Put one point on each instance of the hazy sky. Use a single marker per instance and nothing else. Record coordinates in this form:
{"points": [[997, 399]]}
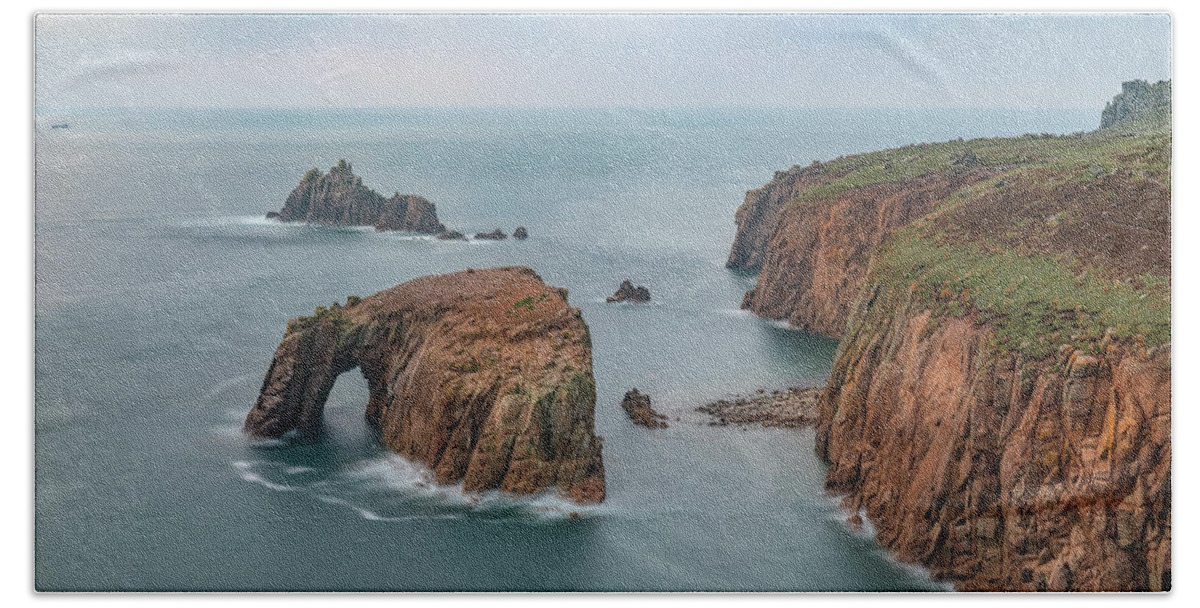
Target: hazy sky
{"points": [[1048, 60]]}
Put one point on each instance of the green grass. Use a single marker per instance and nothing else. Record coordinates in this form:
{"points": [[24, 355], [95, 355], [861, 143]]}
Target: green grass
{"points": [[1033, 298], [527, 303], [1140, 147], [1034, 304]]}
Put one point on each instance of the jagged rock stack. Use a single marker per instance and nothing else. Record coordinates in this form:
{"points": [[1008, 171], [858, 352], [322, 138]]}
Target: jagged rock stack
{"points": [[339, 198]]}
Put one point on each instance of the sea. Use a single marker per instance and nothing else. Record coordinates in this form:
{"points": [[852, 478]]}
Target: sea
{"points": [[162, 292]]}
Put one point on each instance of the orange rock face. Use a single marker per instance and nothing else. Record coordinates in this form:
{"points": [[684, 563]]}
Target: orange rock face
{"points": [[1001, 474], [757, 218], [996, 470], [814, 255], [484, 376]]}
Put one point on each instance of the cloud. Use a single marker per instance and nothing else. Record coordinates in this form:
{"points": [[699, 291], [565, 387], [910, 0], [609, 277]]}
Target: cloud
{"points": [[579, 60]]}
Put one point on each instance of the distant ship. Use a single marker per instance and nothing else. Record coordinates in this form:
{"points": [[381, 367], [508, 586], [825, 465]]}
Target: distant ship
{"points": [[61, 126]]}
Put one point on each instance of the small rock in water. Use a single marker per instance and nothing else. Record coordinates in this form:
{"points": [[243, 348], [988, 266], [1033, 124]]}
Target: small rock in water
{"points": [[637, 405], [855, 522], [495, 235], [627, 292], [520, 233]]}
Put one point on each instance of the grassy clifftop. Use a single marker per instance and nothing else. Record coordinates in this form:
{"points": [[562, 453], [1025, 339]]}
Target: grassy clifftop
{"points": [[1067, 238]]}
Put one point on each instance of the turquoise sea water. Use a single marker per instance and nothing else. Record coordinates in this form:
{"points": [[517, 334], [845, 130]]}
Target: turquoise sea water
{"points": [[162, 293]]}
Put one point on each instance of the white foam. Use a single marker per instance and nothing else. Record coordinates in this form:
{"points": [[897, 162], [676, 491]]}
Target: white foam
{"points": [[370, 515], [604, 300], [244, 471], [220, 388], [256, 220], [405, 236], [867, 531], [742, 313], [391, 483]]}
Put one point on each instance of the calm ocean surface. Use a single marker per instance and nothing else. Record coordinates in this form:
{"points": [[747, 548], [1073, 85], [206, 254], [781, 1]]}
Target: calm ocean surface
{"points": [[162, 294]]}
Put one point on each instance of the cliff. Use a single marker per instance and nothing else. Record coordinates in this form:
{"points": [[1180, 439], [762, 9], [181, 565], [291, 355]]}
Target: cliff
{"points": [[1138, 100], [339, 198], [999, 405], [757, 217], [819, 249], [997, 471], [484, 376]]}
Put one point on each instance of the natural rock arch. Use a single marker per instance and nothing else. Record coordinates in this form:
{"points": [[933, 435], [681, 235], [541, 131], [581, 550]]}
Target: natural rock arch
{"points": [[484, 376]]}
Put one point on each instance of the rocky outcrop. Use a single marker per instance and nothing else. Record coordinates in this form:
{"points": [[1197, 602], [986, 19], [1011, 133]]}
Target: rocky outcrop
{"points": [[637, 405], [757, 217], [451, 235], [817, 255], [339, 198], [793, 408], [495, 235], [484, 376], [520, 233], [1137, 100], [996, 472], [627, 292]]}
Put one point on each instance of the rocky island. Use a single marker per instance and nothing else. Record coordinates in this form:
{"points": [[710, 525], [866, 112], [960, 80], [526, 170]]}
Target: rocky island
{"points": [[484, 376], [339, 198], [1000, 405]]}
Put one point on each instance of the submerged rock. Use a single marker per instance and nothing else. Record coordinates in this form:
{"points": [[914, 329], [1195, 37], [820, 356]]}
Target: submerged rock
{"points": [[627, 292], [484, 376], [520, 233], [339, 198], [451, 235], [495, 235], [637, 405]]}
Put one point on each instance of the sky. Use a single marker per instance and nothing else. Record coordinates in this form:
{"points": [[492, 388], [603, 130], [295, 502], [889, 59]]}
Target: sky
{"points": [[1064, 60]]}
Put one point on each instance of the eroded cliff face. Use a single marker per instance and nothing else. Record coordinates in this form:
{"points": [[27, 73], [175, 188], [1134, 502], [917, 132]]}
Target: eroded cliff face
{"points": [[484, 376], [339, 198], [1000, 403], [816, 257], [999, 473], [757, 217]]}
